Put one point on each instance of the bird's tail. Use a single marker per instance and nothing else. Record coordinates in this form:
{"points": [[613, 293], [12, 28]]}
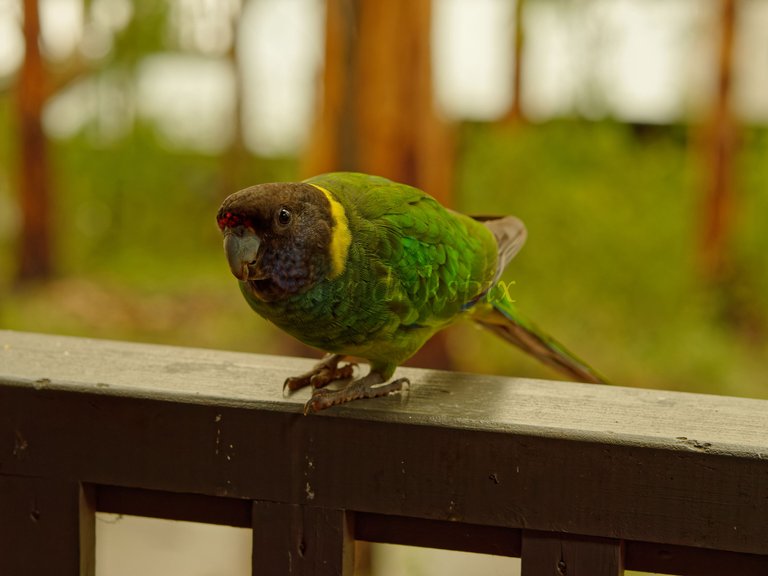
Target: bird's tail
{"points": [[501, 317]]}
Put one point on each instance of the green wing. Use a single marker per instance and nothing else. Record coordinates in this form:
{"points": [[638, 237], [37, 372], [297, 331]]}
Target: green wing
{"points": [[431, 261]]}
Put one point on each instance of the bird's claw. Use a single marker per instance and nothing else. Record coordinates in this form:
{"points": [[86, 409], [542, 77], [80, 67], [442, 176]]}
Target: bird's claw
{"points": [[323, 398], [322, 374]]}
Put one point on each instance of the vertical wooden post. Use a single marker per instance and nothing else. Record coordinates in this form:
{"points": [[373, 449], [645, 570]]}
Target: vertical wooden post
{"points": [[549, 554], [46, 527], [292, 539]]}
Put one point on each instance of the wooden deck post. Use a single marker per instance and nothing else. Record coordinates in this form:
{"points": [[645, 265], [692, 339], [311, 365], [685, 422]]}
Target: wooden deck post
{"points": [[46, 527], [294, 539], [550, 554]]}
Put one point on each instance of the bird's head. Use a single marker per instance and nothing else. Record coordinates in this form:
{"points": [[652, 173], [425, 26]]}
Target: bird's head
{"points": [[280, 238]]}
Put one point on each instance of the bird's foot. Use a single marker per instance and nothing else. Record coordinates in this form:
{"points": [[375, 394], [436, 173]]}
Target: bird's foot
{"points": [[370, 386], [322, 374]]}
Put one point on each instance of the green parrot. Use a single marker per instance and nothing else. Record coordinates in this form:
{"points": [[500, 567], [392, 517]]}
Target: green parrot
{"points": [[358, 265]]}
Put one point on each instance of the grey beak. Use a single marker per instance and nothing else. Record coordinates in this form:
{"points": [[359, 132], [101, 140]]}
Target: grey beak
{"points": [[241, 248]]}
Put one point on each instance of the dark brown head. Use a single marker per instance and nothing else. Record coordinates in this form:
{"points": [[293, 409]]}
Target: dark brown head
{"points": [[280, 237]]}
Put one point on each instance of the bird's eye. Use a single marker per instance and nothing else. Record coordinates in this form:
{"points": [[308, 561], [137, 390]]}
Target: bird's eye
{"points": [[284, 216]]}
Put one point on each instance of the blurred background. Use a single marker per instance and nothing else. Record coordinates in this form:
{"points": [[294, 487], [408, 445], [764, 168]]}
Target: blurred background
{"points": [[629, 135]]}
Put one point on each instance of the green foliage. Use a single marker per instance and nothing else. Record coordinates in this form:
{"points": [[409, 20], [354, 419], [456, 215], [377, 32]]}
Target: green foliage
{"points": [[133, 197], [8, 162], [147, 32], [609, 266], [137, 246]]}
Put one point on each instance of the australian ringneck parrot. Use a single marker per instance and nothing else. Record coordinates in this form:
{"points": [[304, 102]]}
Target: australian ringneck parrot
{"points": [[358, 265]]}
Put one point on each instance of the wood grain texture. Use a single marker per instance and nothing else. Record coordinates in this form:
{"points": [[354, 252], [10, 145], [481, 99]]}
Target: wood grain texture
{"points": [[186, 507], [668, 559], [442, 534], [565, 555], [46, 527], [640, 465], [301, 540]]}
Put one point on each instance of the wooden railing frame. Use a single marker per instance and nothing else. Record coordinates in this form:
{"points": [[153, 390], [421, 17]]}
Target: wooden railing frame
{"points": [[572, 478]]}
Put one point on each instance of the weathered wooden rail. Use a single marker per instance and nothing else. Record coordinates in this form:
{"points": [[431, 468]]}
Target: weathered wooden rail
{"points": [[574, 479]]}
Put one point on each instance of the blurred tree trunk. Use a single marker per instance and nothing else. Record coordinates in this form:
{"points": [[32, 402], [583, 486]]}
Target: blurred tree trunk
{"points": [[377, 111], [719, 150], [515, 113], [331, 147], [34, 248], [235, 158]]}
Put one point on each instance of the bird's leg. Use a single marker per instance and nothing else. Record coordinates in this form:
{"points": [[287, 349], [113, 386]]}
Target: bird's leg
{"points": [[322, 374], [371, 385]]}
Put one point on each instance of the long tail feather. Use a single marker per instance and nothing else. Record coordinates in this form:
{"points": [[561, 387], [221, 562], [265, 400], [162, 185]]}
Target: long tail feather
{"points": [[501, 317]]}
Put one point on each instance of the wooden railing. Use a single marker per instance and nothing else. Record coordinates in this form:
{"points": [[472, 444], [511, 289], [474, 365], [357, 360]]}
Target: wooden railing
{"points": [[574, 479]]}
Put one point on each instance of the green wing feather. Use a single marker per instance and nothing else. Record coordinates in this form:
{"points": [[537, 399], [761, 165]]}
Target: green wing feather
{"points": [[434, 260]]}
